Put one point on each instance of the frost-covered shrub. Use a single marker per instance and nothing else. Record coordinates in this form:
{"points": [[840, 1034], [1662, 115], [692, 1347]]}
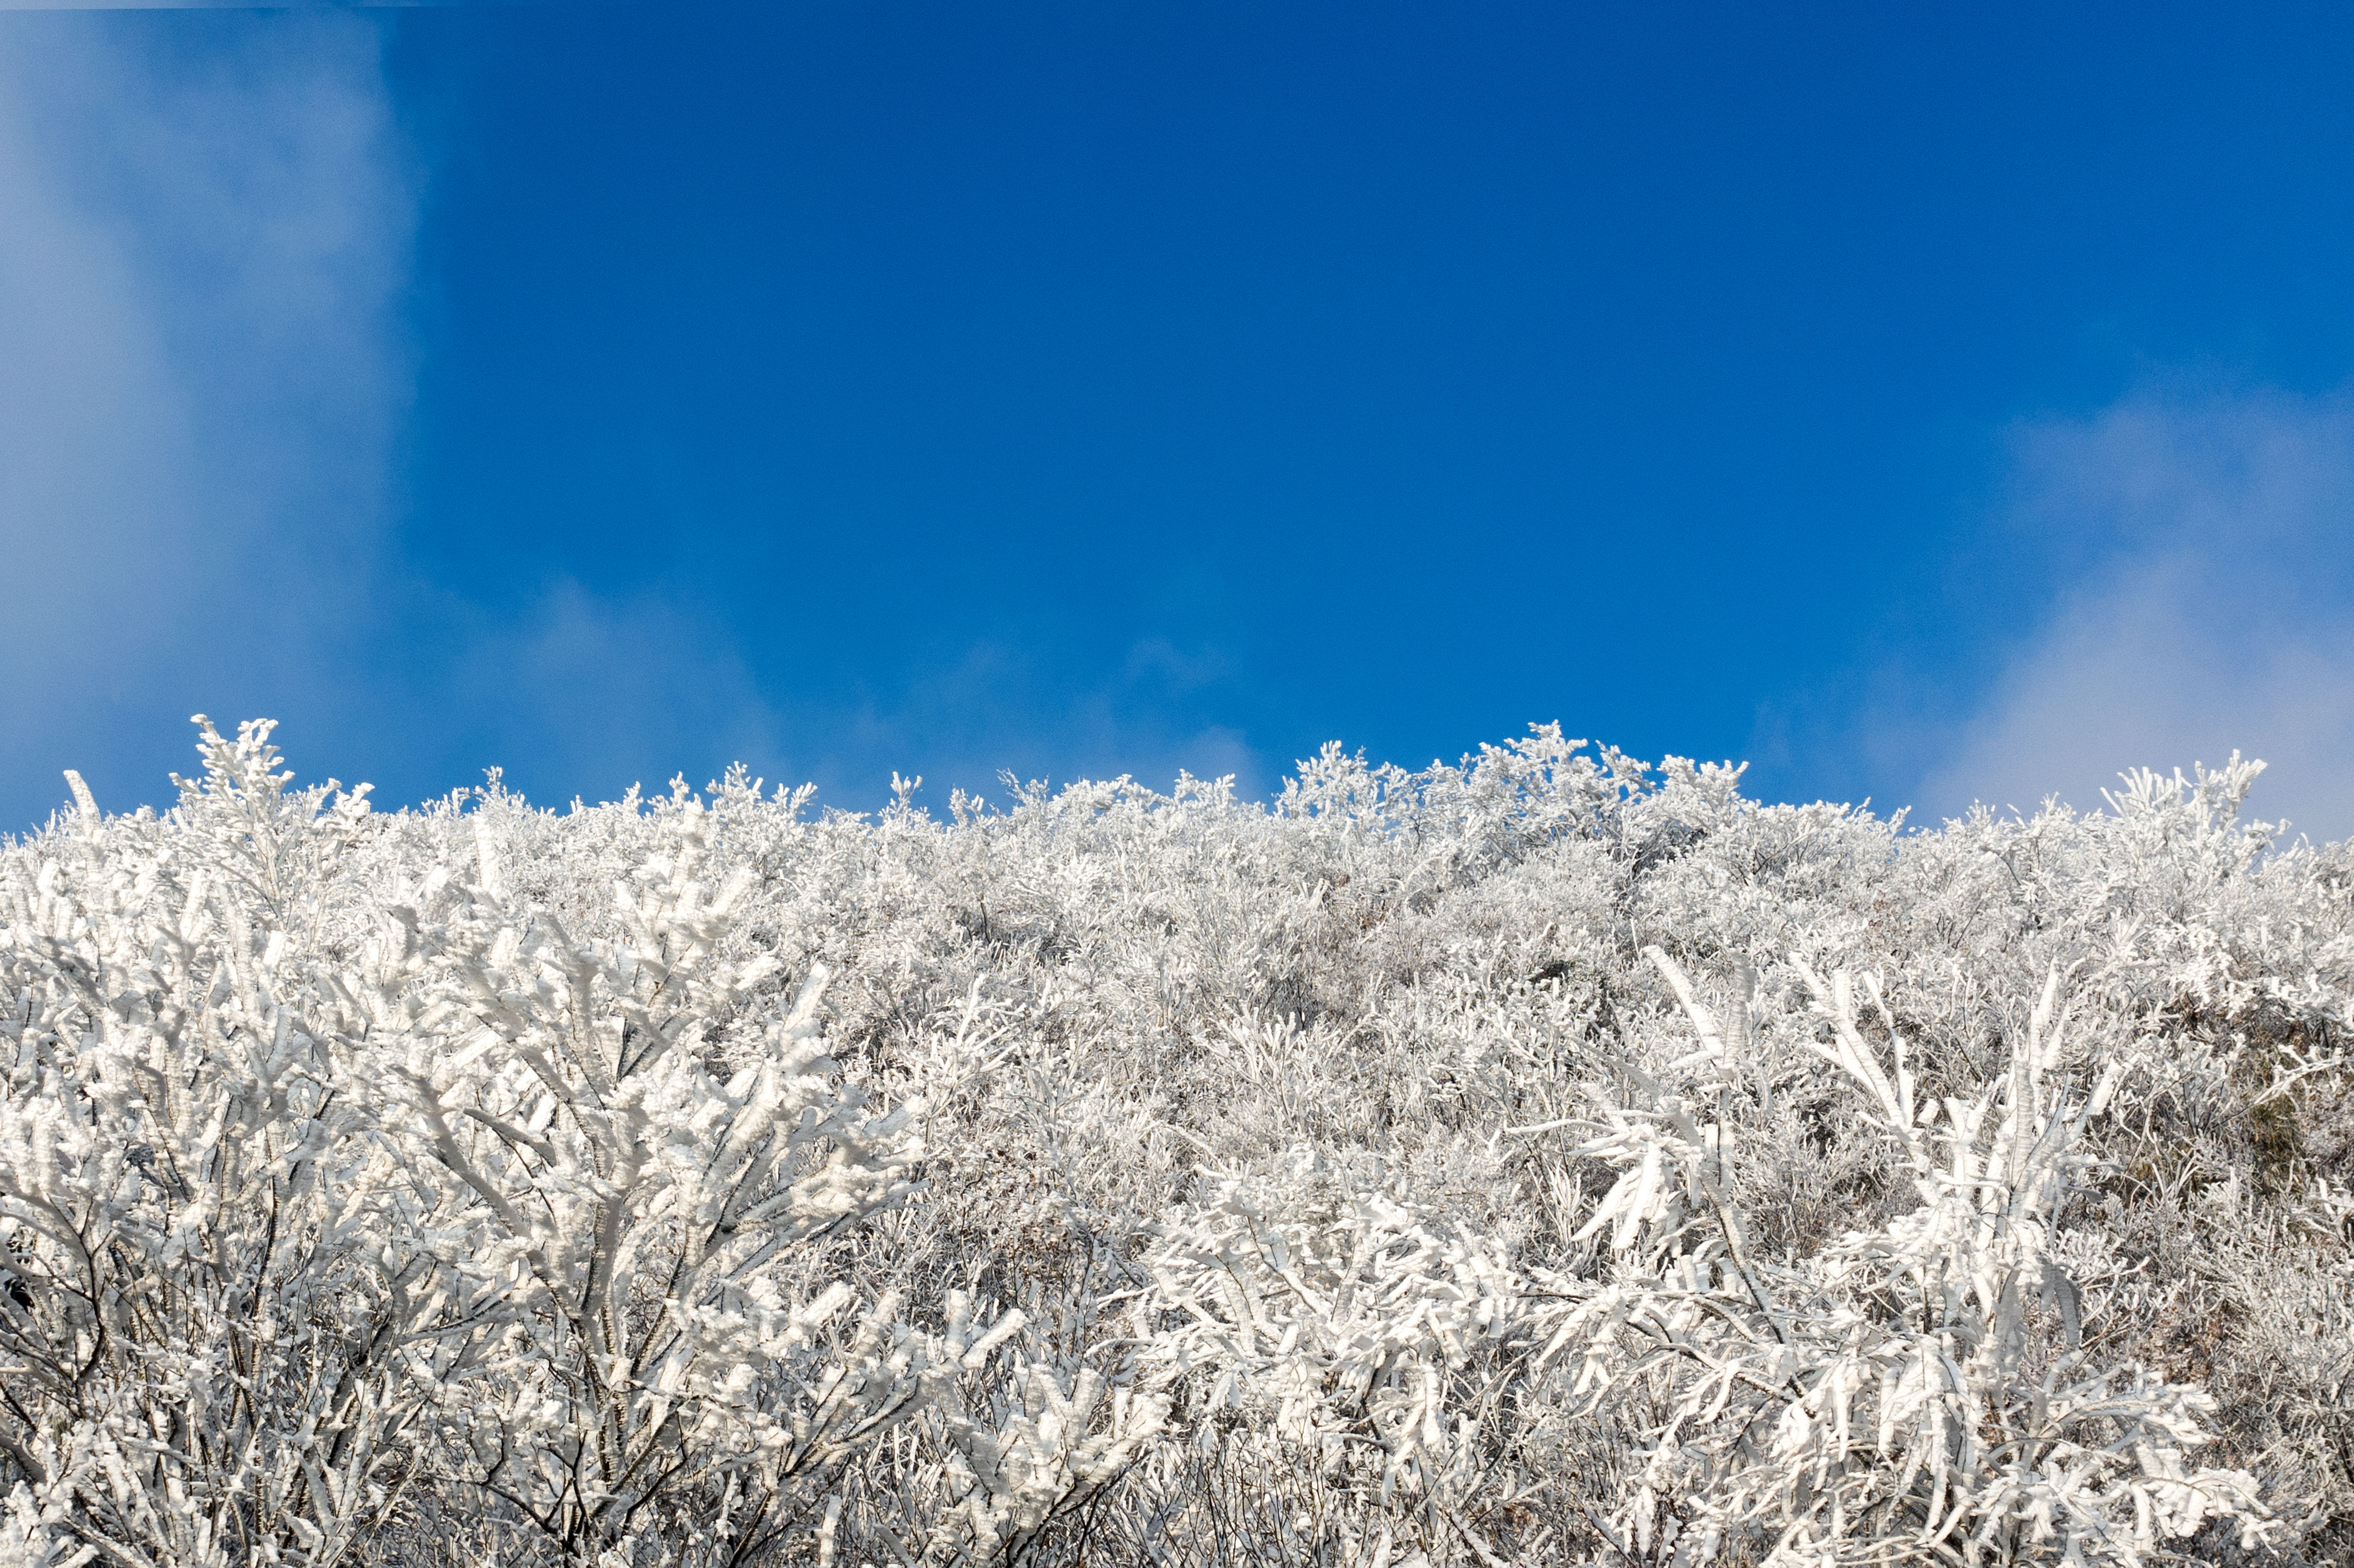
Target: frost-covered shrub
{"points": [[1546, 1159]]}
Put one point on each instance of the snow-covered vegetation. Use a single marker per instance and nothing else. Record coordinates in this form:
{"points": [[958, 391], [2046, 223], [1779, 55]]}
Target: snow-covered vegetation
{"points": [[1546, 1159]]}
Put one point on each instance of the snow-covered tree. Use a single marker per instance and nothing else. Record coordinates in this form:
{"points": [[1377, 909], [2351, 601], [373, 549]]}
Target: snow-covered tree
{"points": [[1544, 1159]]}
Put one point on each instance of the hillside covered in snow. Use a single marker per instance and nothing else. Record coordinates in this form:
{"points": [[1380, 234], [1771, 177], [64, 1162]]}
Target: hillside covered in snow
{"points": [[1545, 1159]]}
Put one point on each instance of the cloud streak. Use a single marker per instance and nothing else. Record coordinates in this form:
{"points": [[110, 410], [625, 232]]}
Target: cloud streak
{"points": [[205, 369], [2212, 609], [201, 375]]}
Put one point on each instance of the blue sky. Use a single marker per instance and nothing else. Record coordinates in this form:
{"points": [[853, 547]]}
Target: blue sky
{"points": [[1928, 408]]}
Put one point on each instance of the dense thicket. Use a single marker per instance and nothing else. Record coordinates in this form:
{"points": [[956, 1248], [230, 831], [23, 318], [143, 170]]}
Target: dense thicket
{"points": [[1544, 1160]]}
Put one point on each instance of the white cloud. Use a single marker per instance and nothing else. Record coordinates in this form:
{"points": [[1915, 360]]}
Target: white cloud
{"points": [[2211, 549], [591, 693], [210, 224], [999, 708], [201, 371]]}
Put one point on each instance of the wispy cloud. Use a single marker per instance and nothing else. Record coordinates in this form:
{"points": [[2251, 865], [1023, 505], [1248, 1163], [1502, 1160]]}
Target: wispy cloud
{"points": [[590, 693], [201, 372], [204, 371], [2208, 544], [579, 692], [999, 708]]}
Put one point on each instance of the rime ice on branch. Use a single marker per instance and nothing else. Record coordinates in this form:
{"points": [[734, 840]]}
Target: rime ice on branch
{"points": [[1547, 1158]]}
